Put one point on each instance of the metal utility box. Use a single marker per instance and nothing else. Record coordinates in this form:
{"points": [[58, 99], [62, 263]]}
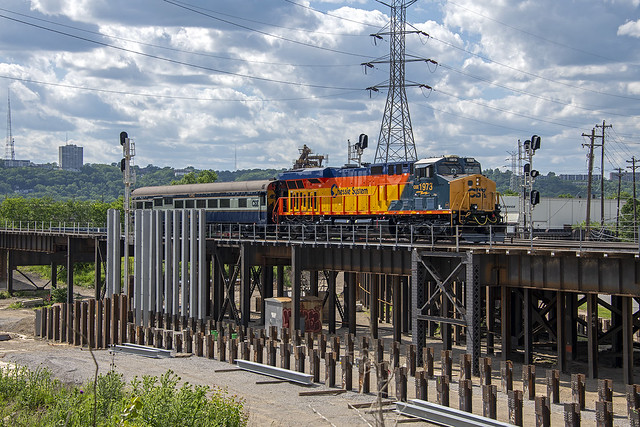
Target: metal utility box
{"points": [[277, 312], [273, 308]]}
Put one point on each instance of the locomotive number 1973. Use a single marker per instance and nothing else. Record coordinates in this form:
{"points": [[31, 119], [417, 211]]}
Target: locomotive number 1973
{"points": [[426, 186]]}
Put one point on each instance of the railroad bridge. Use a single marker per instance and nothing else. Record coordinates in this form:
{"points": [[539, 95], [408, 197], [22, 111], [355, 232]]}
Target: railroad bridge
{"points": [[519, 297]]}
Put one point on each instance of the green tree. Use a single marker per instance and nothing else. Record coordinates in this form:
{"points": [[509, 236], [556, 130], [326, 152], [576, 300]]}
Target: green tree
{"points": [[201, 177]]}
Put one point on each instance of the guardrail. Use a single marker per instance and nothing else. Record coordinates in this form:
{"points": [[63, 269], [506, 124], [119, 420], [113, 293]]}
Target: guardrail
{"points": [[51, 227]]}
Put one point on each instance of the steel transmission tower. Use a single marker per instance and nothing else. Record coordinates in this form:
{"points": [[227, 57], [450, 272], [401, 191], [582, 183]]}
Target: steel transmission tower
{"points": [[9, 151], [396, 135]]}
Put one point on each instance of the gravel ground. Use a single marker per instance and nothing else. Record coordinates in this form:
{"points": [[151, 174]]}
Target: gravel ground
{"points": [[280, 403]]}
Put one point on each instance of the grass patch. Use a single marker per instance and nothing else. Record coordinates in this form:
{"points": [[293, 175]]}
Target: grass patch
{"points": [[603, 313], [35, 397], [15, 305]]}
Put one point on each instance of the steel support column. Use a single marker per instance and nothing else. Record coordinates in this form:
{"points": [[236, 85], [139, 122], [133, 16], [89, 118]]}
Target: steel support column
{"points": [[3, 265], [218, 289], [54, 275], [331, 300], [616, 322], [245, 286], [346, 294], [374, 286], [527, 311], [280, 281], [176, 256], [267, 286], [473, 311], [313, 283], [445, 327], [592, 335], [10, 268], [505, 322], [571, 319], [168, 264], [203, 267], [406, 306], [627, 339], [419, 298], [490, 310], [97, 270], [295, 321], [351, 310], [137, 267], [561, 336], [397, 308], [70, 264], [193, 265]]}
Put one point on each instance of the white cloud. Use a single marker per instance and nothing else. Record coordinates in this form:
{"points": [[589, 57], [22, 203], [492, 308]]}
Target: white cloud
{"points": [[630, 28], [505, 73]]}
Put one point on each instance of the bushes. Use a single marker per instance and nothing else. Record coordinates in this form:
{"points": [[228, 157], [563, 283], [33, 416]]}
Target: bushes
{"points": [[36, 398]]}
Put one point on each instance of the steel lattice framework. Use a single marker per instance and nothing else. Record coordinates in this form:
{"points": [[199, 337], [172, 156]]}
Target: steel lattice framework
{"points": [[395, 142]]}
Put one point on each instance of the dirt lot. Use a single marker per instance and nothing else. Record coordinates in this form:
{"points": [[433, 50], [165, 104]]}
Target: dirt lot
{"points": [[275, 404]]}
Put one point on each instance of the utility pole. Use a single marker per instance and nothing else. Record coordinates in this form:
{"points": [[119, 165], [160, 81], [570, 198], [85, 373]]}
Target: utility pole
{"points": [[633, 170], [619, 174], [513, 182], [591, 145], [604, 127]]}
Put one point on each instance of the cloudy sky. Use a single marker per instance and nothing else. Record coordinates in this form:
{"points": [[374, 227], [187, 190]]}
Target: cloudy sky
{"points": [[201, 83]]}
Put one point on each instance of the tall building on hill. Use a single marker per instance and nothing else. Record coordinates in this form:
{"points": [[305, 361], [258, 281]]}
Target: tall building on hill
{"points": [[70, 157]]}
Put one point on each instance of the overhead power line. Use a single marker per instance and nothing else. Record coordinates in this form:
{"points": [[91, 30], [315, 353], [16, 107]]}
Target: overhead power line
{"points": [[174, 61], [235, 24], [529, 33], [173, 49], [177, 97]]}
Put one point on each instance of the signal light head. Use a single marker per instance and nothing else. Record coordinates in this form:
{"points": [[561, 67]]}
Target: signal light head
{"points": [[123, 138]]}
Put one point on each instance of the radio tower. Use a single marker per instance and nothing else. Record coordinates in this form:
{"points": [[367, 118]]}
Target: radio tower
{"points": [[396, 135], [9, 153]]}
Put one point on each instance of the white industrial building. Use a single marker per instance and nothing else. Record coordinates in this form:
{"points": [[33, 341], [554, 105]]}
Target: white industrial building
{"points": [[556, 213]]}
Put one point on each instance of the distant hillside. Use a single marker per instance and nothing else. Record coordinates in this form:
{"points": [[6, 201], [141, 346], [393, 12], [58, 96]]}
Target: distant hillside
{"points": [[97, 181], [552, 186]]}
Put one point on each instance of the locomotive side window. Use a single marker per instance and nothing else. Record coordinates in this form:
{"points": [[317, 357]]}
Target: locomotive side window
{"points": [[139, 205], [377, 170], [225, 203], [424, 172], [189, 204], [212, 203], [148, 205], [179, 204], [200, 204], [263, 200], [291, 185], [242, 203], [168, 201], [299, 183]]}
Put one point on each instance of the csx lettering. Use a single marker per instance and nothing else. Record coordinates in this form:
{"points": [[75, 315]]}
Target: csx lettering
{"points": [[476, 192]]}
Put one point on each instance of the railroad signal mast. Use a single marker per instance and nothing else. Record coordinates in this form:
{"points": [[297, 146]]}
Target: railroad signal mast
{"points": [[129, 179], [530, 197], [354, 152]]}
